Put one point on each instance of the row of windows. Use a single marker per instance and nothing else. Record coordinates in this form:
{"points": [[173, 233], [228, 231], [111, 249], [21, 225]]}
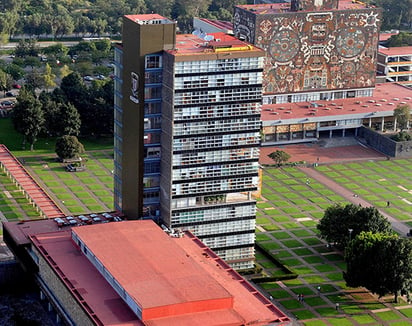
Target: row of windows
{"points": [[218, 213], [215, 171], [217, 141], [243, 78], [232, 185], [212, 96], [152, 107], [316, 96], [151, 138], [216, 111], [233, 64], [230, 240], [236, 253], [218, 228], [216, 156], [216, 126], [201, 201]]}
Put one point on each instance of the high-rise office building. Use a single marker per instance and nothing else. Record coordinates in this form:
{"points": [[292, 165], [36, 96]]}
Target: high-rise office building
{"points": [[188, 133]]}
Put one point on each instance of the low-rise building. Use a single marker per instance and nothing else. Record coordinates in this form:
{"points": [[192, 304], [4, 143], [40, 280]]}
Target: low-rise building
{"points": [[134, 273]]}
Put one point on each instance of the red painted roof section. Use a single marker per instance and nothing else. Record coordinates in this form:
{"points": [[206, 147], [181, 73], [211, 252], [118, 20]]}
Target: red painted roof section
{"points": [[284, 7], [178, 278], [189, 44], [94, 294], [37, 194], [144, 17], [386, 36], [385, 99], [399, 50]]}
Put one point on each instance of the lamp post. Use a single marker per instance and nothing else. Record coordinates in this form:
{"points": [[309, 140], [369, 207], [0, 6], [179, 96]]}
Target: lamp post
{"points": [[350, 234]]}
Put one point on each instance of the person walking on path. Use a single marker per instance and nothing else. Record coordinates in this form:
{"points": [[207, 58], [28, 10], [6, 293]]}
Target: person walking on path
{"points": [[318, 288]]}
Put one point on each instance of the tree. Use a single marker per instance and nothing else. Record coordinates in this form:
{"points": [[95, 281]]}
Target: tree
{"points": [[279, 157], [380, 262], [69, 119], [27, 116], [338, 220], [402, 114], [68, 147], [402, 136], [49, 77], [5, 81]]}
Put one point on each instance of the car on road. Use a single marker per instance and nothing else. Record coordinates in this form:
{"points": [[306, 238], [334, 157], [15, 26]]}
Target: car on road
{"points": [[10, 94], [88, 78]]}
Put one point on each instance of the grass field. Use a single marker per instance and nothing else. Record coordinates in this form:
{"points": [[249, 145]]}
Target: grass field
{"points": [[288, 212]]}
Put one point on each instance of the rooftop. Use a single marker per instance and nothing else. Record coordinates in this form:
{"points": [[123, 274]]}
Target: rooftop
{"points": [[275, 8], [178, 280], [189, 44], [146, 18], [385, 99], [399, 50]]}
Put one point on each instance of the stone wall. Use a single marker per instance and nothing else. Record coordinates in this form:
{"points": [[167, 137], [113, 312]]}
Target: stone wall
{"points": [[385, 145], [63, 295]]}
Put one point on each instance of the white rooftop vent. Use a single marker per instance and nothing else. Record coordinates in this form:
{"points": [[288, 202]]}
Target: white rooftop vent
{"points": [[209, 38]]}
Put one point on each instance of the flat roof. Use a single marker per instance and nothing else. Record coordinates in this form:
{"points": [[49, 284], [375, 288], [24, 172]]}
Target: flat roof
{"points": [[189, 44], [145, 17], [385, 98], [81, 278], [177, 274], [386, 36], [224, 25], [22, 230], [399, 50], [157, 269], [284, 7]]}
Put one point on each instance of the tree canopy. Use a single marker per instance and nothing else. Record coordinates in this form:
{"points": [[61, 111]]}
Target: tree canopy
{"points": [[27, 116], [279, 157], [402, 114], [381, 262], [338, 220], [68, 147]]}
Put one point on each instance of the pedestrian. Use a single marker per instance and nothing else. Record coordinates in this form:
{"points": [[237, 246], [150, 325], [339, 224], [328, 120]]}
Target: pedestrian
{"points": [[337, 306], [318, 290], [302, 298], [388, 203], [271, 298], [307, 181], [299, 298]]}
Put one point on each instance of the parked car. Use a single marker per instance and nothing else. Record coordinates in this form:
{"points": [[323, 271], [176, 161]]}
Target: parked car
{"points": [[17, 86], [75, 168], [10, 94], [100, 77], [7, 103], [88, 78]]}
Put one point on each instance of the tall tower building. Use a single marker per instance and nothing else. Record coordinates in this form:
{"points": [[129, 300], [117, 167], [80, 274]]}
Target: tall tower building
{"points": [[188, 133], [316, 49]]}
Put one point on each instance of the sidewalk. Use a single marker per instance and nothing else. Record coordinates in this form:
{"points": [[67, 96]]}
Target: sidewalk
{"points": [[398, 226]]}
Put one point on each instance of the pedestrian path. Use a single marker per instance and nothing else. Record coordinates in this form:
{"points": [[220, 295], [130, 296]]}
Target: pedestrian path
{"points": [[34, 193], [352, 197]]}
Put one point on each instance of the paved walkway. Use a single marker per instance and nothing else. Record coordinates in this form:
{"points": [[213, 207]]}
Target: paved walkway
{"points": [[34, 193], [398, 226]]}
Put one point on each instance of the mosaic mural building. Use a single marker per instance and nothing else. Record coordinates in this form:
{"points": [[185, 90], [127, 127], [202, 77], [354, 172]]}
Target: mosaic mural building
{"points": [[316, 49]]}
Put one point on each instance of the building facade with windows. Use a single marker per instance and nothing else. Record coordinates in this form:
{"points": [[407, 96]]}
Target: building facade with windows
{"points": [[395, 64], [188, 133], [316, 50]]}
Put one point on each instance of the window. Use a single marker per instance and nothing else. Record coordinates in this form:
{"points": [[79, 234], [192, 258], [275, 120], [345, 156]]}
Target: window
{"points": [[153, 61]]}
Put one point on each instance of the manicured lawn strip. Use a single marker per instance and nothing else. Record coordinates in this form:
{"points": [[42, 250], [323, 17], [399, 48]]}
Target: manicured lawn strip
{"points": [[387, 315], [363, 319]]}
